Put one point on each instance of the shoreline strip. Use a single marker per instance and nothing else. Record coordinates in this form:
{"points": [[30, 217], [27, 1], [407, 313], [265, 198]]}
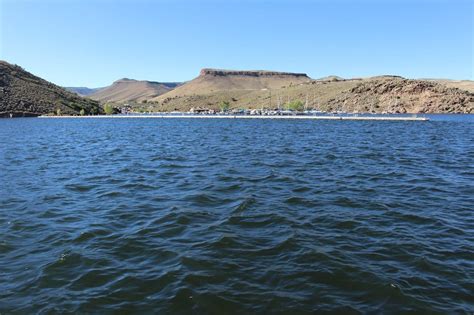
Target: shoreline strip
{"points": [[388, 118]]}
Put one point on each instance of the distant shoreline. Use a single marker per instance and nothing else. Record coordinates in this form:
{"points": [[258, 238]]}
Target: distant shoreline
{"points": [[301, 117]]}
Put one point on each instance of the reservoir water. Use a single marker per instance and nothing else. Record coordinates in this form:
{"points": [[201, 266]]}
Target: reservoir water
{"points": [[236, 216]]}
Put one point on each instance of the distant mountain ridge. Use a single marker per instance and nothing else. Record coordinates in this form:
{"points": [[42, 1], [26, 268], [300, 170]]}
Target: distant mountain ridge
{"points": [[82, 91], [331, 78], [128, 90], [24, 94]]}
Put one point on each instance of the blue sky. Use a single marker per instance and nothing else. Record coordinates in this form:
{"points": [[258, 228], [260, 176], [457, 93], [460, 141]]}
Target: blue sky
{"points": [[92, 43]]}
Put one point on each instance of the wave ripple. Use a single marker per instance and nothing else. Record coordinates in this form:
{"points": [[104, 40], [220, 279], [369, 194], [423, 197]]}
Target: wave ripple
{"points": [[209, 216]]}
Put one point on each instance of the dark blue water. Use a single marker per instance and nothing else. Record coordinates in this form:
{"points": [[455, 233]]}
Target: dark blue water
{"points": [[236, 216]]}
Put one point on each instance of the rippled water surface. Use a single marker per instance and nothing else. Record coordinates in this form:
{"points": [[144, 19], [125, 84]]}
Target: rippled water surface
{"points": [[236, 216]]}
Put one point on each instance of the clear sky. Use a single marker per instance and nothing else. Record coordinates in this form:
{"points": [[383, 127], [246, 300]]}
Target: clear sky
{"points": [[94, 42]]}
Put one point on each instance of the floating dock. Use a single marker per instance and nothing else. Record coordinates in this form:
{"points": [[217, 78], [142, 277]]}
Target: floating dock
{"points": [[304, 117]]}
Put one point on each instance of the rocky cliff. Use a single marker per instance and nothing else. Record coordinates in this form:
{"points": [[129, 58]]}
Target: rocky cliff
{"points": [[250, 73], [24, 94]]}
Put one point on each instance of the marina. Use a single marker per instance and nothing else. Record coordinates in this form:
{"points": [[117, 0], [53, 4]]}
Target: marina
{"points": [[304, 117]]}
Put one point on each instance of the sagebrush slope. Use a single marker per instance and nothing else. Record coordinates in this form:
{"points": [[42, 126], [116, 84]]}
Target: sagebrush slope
{"points": [[24, 94]]}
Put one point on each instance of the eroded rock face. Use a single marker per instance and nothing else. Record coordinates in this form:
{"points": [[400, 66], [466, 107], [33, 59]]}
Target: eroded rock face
{"points": [[23, 94], [252, 73]]}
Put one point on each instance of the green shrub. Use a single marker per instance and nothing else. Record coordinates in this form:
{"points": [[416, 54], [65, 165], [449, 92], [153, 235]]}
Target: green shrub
{"points": [[82, 112], [296, 105], [224, 106], [108, 109]]}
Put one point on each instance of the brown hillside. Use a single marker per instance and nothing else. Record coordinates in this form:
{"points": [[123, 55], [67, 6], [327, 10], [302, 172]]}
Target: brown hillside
{"points": [[24, 94], [399, 95], [127, 90], [215, 80], [389, 94]]}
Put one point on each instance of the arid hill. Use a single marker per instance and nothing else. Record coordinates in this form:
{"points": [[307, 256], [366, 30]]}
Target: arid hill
{"points": [[399, 95], [128, 90], [391, 94], [24, 94], [215, 80]]}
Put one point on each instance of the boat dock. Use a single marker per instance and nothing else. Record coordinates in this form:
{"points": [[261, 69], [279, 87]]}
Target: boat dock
{"points": [[303, 117]]}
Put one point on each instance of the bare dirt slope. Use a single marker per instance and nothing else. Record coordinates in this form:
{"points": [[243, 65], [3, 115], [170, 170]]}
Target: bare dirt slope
{"points": [[127, 90], [24, 94]]}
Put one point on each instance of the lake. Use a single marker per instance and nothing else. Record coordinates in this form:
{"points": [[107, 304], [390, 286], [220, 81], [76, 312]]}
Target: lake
{"points": [[236, 216]]}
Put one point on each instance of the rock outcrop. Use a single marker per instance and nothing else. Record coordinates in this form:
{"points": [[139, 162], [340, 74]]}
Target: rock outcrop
{"points": [[399, 95]]}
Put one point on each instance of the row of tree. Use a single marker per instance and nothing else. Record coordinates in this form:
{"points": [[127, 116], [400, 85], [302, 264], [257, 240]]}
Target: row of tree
{"points": [[108, 109], [224, 106]]}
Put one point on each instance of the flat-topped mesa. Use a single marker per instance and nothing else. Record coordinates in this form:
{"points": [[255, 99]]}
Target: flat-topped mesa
{"points": [[226, 82], [251, 73]]}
